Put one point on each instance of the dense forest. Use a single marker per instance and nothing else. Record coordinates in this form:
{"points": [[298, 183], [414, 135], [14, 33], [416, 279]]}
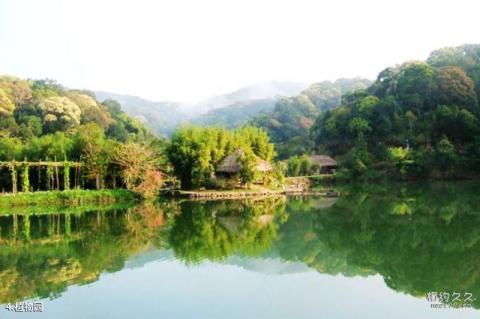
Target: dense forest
{"points": [[418, 119], [288, 124]]}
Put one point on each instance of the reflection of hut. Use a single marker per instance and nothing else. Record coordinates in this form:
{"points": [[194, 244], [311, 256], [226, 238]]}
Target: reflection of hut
{"points": [[264, 219], [231, 223], [323, 164], [325, 202], [231, 165]]}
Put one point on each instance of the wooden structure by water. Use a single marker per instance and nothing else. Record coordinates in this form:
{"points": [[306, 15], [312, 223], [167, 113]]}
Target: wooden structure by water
{"points": [[326, 193], [48, 172], [228, 194], [213, 195], [297, 184]]}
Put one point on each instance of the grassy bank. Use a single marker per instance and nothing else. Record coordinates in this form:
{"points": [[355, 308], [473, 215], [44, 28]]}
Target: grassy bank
{"points": [[67, 198]]}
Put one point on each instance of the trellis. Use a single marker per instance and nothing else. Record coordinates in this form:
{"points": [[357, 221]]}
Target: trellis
{"points": [[52, 172]]}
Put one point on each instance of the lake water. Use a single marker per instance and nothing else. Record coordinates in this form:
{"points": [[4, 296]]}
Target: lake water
{"points": [[372, 253]]}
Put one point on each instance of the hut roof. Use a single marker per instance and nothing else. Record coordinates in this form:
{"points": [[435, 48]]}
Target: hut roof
{"points": [[232, 163], [322, 160]]}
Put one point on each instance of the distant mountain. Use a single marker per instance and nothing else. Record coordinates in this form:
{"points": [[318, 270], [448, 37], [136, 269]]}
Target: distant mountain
{"points": [[162, 117], [229, 110], [268, 264], [236, 114], [261, 91]]}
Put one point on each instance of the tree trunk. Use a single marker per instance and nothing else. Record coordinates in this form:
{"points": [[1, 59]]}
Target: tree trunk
{"points": [[57, 177], [14, 179]]}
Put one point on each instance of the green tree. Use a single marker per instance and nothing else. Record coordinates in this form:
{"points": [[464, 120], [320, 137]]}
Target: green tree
{"points": [[11, 148], [456, 88], [446, 156], [359, 127], [415, 86], [294, 166], [402, 159], [96, 151], [248, 173], [305, 165]]}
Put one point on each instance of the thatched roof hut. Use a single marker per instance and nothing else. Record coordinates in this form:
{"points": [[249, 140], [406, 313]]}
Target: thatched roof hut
{"points": [[323, 164], [232, 163], [322, 160]]}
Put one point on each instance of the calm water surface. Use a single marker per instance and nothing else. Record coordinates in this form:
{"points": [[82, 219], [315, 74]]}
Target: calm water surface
{"points": [[372, 253]]}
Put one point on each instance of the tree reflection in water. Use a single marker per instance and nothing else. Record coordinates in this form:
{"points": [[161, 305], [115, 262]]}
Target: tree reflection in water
{"points": [[420, 238]]}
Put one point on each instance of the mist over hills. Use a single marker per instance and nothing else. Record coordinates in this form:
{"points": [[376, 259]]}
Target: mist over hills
{"points": [[279, 107], [236, 114], [260, 91], [162, 117]]}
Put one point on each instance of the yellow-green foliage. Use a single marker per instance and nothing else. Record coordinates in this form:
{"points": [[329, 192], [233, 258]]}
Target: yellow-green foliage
{"points": [[60, 111], [6, 105]]}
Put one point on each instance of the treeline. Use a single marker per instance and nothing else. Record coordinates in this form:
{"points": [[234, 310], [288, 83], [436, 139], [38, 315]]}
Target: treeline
{"points": [[41, 120], [418, 119]]}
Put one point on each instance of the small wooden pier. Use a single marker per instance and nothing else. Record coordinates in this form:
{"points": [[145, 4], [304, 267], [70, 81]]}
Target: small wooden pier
{"points": [[228, 194], [215, 195]]}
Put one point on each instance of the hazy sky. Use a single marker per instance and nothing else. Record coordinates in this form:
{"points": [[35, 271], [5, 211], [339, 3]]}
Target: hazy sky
{"points": [[189, 50]]}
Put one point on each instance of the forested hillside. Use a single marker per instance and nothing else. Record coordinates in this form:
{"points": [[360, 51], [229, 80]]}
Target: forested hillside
{"points": [[160, 117], [417, 119], [42, 121], [236, 114], [288, 124], [227, 110]]}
